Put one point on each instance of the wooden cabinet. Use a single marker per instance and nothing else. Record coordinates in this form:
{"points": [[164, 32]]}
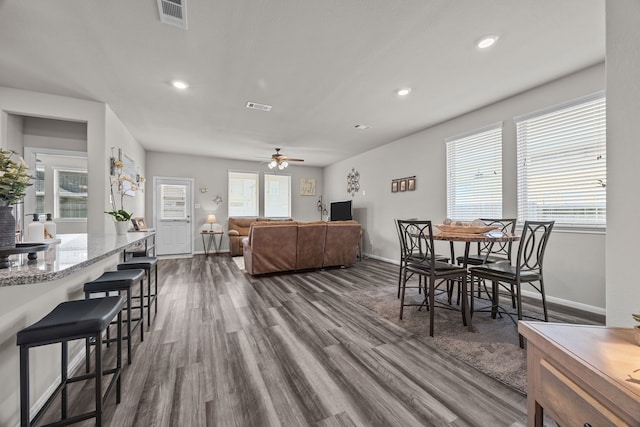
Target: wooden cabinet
{"points": [[582, 375]]}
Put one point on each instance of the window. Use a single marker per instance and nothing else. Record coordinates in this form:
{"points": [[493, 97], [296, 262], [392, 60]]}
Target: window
{"points": [[474, 175], [277, 196], [243, 193], [173, 202], [562, 172], [39, 185], [70, 188]]}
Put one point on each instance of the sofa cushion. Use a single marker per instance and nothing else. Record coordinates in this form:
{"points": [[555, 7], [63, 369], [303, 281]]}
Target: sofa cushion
{"points": [[310, 250]]}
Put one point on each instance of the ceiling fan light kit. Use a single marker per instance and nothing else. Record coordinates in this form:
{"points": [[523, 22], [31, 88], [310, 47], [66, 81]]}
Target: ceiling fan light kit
{"points": [[281, 161]]}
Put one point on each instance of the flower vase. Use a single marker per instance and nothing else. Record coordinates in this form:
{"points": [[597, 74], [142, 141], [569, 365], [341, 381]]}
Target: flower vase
{"points": [[7, 228], [121, 227]]}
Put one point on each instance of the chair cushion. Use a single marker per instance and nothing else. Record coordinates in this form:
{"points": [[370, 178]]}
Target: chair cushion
{"points": [[72, 319], [480, 259], [504, 271], [114, 280], [138, 262]]}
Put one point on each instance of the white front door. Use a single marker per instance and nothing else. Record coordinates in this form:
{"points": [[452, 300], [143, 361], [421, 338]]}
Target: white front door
{"points": [[172, 215]]}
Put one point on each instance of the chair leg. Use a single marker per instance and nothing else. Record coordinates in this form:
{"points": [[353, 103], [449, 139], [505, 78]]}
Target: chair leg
{"points": [[432, 301], [64, 368], [98, 386], [544, 300], [404, 286], [24, 386], [519, 304], [513, 297], [400, 277]]}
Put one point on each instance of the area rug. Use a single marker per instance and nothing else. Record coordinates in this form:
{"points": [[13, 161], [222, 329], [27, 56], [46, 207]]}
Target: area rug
{"points": [[239, 261], [492, 347]]}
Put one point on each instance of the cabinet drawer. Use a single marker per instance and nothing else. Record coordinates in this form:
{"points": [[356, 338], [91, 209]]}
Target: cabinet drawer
{"points": [[569, 404]]}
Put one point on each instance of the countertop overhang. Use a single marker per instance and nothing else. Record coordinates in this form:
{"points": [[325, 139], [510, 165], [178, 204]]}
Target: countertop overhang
{"points": [[73, 253]]}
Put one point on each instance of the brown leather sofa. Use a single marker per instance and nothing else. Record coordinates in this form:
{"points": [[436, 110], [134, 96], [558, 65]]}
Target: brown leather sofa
{"points": [[239, 229], [275, 247]]}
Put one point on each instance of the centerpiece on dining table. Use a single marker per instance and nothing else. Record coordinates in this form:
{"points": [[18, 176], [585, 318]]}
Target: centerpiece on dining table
{"points": [[477, 226]]}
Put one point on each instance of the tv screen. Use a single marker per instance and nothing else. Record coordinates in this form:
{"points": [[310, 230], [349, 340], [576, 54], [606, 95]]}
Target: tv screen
{"points": [[341, 211]]}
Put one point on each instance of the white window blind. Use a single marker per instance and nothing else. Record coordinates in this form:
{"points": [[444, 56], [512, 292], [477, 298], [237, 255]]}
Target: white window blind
{"points": [[474, 175], [562, 164], [277, 196], [243, 193], [173, 201]]}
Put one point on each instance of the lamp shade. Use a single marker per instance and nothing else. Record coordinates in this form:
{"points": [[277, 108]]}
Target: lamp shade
{"points": [[211, 219]]}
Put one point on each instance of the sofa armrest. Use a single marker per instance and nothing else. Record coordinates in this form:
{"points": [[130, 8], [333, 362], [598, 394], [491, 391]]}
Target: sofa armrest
{"points": [[233, 233]]}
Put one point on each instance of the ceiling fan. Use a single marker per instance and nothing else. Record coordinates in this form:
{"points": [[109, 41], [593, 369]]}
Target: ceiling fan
{"points": [[281, 161]]}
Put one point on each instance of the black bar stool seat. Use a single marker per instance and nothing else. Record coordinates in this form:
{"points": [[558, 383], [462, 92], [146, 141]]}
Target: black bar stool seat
{"points": [[119, 281], [146, 263], [71, 320]]}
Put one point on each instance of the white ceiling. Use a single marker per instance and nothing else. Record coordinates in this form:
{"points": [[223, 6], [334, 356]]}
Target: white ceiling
{"points": [[325, 66]]}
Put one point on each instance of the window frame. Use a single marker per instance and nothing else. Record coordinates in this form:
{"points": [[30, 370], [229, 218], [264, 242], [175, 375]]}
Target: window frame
{"points": [[595, 130], [232, 199], [56, 193], [457, 175], [267, 197]]}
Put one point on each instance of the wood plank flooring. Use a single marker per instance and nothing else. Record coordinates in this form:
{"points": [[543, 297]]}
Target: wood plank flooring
{"points": [[228, 349]]}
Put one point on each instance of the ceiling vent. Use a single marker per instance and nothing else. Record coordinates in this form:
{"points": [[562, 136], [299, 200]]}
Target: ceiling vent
{"points": [[256, 106], [173, 12]]}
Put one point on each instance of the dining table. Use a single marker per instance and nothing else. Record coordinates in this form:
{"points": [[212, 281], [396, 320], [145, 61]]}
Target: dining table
{"points": [[469, 235]]}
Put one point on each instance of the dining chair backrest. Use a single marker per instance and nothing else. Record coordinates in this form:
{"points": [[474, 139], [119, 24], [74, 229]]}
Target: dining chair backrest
{"points": [[533, 243], [503, 249], [416, 240]]}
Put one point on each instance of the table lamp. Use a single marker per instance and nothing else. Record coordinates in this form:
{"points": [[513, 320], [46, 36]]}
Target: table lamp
{"points": [[211, 219]]}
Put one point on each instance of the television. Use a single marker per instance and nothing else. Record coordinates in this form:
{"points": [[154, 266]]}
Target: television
{"points": [[341, 211]]}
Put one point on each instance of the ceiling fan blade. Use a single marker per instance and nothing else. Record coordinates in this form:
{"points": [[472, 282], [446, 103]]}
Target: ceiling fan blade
{"points": [[289, 159]]}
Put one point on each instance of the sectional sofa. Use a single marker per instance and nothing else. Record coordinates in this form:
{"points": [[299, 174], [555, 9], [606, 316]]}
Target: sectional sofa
{"points": [[291, 246]]}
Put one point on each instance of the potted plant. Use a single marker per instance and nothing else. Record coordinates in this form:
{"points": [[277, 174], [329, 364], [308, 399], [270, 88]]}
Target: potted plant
{"points": [[120, 216], [14, 179]]}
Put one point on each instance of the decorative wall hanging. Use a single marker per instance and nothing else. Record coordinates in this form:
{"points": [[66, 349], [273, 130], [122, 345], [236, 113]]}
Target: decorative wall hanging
{"points": [[307, 187], [217, 200], [353, 182], [403, 184]]}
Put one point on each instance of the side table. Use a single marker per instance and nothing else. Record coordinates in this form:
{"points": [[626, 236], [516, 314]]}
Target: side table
{"points": [[212, 240]]}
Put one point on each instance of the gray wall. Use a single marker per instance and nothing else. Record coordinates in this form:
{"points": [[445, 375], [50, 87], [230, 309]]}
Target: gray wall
{"points": [[212, 173], [623, 156], [575, 261]]}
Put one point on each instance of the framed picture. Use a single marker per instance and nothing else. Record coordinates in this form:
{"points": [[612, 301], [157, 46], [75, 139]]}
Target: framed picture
{"points": [[307, 187], [394, 186], [139, 223], [411, 184], [403, 185]]}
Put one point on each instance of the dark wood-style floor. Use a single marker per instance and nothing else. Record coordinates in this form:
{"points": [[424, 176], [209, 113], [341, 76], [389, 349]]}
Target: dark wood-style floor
{"points": [[228, 349]]}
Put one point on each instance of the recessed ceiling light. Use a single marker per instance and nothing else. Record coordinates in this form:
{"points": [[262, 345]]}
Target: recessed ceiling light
{"points": [[404, 91], [179, 84], [487, 41], [362, 127]]}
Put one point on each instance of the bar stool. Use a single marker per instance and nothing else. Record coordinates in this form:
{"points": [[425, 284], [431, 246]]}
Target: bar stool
{"points": [[118, 281], [72, 320], [147, 264]]}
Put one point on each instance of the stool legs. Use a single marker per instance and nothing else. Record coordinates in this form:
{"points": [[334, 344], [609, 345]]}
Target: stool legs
{"points": [[24, 386]]}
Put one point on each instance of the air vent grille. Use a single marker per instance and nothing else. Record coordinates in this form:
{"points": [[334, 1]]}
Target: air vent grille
{"points": [[173, 12], [256, 106]]}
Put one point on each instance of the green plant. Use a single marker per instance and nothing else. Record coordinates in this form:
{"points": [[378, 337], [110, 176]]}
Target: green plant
{"points": [[14, 178], [636, 317], [120, 215]]}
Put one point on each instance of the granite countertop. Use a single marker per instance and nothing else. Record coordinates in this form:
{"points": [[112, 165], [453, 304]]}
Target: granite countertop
{"points": [[74, 252]]}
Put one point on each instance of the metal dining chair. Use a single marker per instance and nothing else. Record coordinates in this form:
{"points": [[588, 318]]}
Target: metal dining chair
{"points": [[492, 252], [417, 239], [411, 250], [528, 269]]}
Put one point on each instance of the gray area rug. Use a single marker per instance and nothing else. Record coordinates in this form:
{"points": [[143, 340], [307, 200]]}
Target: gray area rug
{"points": [[492, 347]]}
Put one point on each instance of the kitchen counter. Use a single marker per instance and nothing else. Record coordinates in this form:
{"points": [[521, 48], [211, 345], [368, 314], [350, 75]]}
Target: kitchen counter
{"points": [[74, 252]]}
